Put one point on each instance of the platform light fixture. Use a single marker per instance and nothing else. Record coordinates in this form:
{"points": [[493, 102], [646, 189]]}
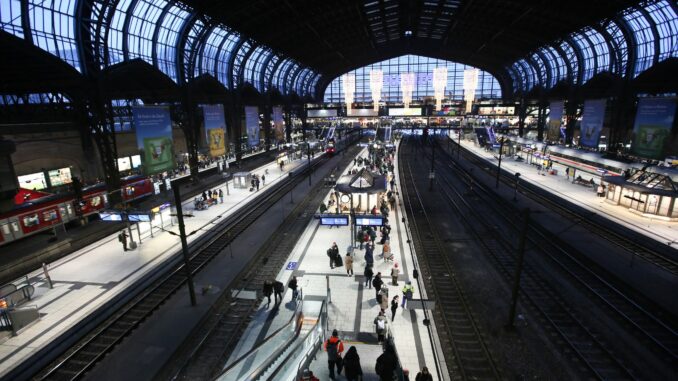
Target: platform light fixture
{"points": [[349, 91], [407, 86], [376, 84], [439, 83]]}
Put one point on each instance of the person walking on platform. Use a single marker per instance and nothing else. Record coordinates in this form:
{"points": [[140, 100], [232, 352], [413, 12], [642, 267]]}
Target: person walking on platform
{"points": [[368, 276], [386, 364], [221, 196], [352, 369], [334, 347], [348, 262], [394, 307], [567, 173], [293, 286], [263, 180], [268, 290], [256, 182], [383, 302], [424, 375], [394, 274], [408, 290], [380, 326], [333, 252], [122, 237], [278, 287], [369, 255], [377, 283], [392, 183]]}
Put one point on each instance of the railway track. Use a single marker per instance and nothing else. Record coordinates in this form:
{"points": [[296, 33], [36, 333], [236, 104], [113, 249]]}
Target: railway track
{"points": [[219, 336], [589, 347], [467, 353], [631, 242], [102, 339]]}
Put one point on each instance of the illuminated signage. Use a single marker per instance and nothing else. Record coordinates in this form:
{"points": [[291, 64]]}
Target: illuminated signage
{"points": [[334, 219]]}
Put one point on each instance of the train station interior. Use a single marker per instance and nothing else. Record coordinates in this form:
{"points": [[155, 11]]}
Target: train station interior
{"points": [[338, 190]]}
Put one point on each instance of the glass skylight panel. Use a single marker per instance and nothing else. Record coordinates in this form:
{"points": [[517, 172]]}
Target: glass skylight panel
{"points": [[664, 17], [644, 40], [10, 17]]}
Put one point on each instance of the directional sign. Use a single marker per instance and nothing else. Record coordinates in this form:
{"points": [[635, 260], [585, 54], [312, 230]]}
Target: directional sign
{"points": [[291, 266]]}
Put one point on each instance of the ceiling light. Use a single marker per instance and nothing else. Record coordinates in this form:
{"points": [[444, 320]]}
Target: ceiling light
{"points": [[408, 33]]}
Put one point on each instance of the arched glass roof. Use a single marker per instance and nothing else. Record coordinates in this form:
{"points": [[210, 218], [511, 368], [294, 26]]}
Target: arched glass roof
{"points": [[488, 87]]}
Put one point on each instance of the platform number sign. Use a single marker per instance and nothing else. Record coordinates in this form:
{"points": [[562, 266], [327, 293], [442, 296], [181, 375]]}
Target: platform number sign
{"points": [[291, 266]]}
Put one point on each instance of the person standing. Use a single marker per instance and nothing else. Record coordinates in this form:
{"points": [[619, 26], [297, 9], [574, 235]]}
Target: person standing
{"points": [[386, 364], [268, 290], [334, 347], [408, 290], [380, 326], [122, 237], [263, 180], [369, 254], [221, 196], [394, 307], [376, 283], [384, 298], [352, 369], [256, 182], [348, 262], [424, 375], [293, 286], [278, 287], [368, 276], [394, 274]]}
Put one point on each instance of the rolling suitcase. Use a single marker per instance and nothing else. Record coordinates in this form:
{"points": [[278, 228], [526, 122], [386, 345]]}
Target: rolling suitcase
{"points": [[338, 262]]}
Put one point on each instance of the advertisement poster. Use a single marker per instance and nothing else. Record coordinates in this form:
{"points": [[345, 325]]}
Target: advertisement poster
{"points": [[215, 129], [555, 120], [252, 125], [278, 124], [154, 138], [653, 126], [592, 122]]}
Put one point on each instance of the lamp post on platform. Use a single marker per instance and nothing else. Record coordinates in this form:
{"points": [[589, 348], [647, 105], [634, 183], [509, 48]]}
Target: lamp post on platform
{"points": [[501, 150]]}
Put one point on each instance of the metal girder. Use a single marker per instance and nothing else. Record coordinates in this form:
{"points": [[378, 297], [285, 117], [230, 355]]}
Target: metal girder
{"points": [[243, 63], [655, 34], [182, 65], [231, 60], [630, 44]]}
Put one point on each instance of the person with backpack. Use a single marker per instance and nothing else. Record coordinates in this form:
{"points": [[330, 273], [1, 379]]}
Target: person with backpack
{"points": [[278, 287], [377, 283], [334, 347], [268, 290], [352, 369], [380, 326], [408, 290], [293, 286], [368, 276]]}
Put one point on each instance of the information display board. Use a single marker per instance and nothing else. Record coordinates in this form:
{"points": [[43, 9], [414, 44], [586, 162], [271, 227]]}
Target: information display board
{"points": [[140, 217], [334, 219], [412, 111], [321, 113], [60, 176], [369, 220], [110, 216], [34, 181]]}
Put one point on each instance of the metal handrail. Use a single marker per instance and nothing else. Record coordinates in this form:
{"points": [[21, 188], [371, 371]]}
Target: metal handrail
{"points": [[307, 356], [293, 319]]}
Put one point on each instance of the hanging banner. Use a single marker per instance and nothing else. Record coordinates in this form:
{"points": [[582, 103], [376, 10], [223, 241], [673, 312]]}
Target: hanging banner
{"points": [[153, 127], [652, 128], [592, 122], [278, 125], [215, 129], [555, 121], [252, 125]]}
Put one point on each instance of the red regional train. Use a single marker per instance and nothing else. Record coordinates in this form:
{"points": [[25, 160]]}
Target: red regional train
{"points": [[330, 147], [37, 211]]}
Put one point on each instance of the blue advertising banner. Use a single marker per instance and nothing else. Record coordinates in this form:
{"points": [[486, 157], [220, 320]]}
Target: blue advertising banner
{"points": [[653, 127], [252, 125], [555, 118], [592, 122], [153, 127], [215, 129], [278, 125]]}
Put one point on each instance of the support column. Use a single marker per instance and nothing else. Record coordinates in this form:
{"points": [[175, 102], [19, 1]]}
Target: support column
{"points": [[100, 117], [570, 119], [9, 185], [266, 110], [191, 129], [522, 114], [541, 121]]}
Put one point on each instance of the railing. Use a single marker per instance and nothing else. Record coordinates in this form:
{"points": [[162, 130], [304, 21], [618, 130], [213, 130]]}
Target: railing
{"points": [[267, 351]]}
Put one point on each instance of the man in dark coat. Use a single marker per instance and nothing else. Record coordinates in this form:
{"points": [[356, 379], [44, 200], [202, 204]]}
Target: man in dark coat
{"points": [[268, 290], [386, 364], [377, 282]]}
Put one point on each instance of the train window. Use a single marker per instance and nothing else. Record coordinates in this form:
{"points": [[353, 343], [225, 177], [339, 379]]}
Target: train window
{"points": [[31, 220], [95, 201], [49, 215], [129, 191], [69, 208], [5, 229], [62, 210], [15, 226]]}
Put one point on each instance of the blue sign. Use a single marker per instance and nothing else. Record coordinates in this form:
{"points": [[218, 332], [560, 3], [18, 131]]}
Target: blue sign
{"points": [[652, 130], [291, 266], [592, 122], [252, 125], [153, 127], [369, 220], [334, 219]]}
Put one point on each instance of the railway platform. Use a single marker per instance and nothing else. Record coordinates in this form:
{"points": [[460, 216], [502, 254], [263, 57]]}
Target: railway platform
{"points": [[584, 196], [89, 278], [351, 307]]}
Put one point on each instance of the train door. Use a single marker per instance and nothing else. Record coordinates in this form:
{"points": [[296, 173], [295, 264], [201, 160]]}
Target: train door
{"points": [[9, 229]]}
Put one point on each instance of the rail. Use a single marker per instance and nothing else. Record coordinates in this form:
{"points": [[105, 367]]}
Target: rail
{"points": [[145, 301]]}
